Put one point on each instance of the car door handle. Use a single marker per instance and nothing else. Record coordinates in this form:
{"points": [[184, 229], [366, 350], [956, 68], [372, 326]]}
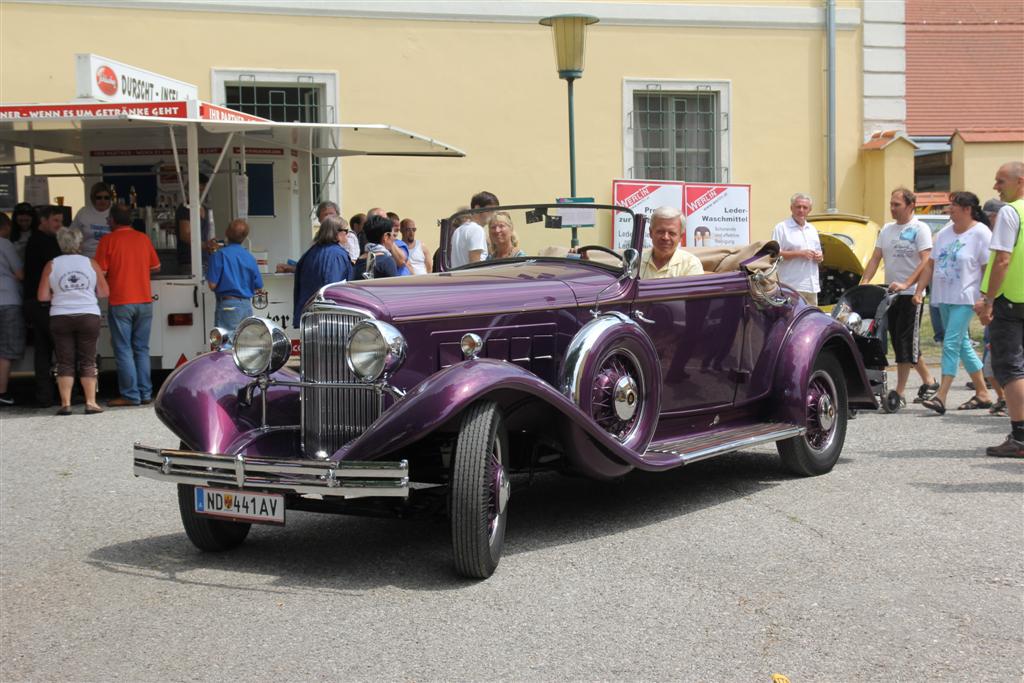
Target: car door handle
{"points": [[642, 318]]}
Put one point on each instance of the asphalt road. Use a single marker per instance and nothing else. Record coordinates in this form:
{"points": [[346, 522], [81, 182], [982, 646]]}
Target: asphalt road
{"points": [[904, 563]]}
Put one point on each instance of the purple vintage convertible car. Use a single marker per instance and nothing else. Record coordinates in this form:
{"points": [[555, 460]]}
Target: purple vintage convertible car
{"points": [[428, 393]]}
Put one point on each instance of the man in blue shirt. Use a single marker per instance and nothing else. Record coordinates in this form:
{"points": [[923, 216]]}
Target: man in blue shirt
{"points": [[324, 263], [378, 245], [234, 277]]}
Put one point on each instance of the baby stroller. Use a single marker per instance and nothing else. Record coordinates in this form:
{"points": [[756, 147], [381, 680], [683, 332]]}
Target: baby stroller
{"points": [[862, 309]]}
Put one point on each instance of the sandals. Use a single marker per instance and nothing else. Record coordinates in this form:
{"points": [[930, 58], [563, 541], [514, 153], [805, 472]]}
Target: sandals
{"points": [[64, 411], [92, 410], [998, 409], [935, 403], [974, 403]]}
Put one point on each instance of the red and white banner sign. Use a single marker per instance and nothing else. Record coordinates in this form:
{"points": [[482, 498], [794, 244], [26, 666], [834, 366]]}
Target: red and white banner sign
{"points": [[75, 110], [108, 80], [175, 110], [212, 112], [717, 215], [642, 196]]}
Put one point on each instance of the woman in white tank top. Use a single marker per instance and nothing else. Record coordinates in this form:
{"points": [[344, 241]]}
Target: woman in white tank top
{"points": [[72, 284]]}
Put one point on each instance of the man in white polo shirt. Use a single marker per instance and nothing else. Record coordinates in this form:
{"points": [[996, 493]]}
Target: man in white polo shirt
{"points": [[665, 258], [800, 249]]}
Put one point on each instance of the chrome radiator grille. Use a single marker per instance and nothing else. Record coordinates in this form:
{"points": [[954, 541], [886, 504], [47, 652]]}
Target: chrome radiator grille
{"points": [[331, 417]]}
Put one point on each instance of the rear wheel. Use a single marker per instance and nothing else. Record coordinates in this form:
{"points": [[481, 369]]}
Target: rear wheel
{"points": [[817, 450], [211, 535], [480, 491]]}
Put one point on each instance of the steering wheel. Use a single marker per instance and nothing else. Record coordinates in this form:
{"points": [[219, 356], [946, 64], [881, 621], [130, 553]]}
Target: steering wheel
{"points": [[597, 247]]}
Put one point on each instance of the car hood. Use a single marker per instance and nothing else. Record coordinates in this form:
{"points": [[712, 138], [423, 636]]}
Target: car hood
{"points": [[499, 288]]}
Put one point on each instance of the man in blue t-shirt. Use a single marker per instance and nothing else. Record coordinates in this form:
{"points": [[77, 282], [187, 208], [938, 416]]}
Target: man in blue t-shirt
{"points": [[234, 277], [378, 247]]}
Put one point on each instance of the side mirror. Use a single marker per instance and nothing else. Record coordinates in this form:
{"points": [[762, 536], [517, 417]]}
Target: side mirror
{"points": [[631, 260]]}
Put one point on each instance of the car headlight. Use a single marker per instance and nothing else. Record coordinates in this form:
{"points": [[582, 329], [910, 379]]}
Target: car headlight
{"points": [[375, 349], [219, 338], [260, 347]]}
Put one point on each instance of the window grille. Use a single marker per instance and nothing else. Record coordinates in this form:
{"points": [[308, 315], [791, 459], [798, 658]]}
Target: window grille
{"points": [[677, 136]]}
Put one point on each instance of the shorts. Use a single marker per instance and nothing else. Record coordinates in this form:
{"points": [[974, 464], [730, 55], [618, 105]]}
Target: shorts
{"points": [[74, 341], [1006, 332], [905, 329], [12, 332]]}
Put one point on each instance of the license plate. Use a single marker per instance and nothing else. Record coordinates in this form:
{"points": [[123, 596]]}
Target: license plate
{"points": [[247, 506]]}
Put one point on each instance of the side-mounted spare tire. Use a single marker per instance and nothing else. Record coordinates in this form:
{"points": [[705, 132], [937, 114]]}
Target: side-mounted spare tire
{"points": [[825, 412], [611, 371]]}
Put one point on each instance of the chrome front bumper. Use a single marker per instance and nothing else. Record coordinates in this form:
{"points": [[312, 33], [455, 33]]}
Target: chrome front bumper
{"points": [[327, 479]]}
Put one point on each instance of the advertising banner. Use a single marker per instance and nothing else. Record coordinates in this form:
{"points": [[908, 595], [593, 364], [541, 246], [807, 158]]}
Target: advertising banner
{"points": [[717, 215], [108, 80], [643, 197], [76, 110]]}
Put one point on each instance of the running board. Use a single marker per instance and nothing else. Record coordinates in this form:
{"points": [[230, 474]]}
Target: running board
{"points": [[708, 445]]}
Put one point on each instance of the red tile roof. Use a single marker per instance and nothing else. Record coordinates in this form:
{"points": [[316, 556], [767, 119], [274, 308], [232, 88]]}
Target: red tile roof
{"points": [[883, 139], [964, 65], [991, 134]]}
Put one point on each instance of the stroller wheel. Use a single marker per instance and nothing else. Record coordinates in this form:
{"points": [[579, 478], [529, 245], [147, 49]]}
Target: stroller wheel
{"points": [[892, 402]]}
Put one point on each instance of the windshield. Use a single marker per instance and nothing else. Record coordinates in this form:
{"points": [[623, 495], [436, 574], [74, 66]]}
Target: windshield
{"points": [[538, 231]]}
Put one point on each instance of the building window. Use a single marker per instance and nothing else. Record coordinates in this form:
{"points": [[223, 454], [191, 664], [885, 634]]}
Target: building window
{"points": [[677, 130], [286, 97], [275, 102], [284, 103]]}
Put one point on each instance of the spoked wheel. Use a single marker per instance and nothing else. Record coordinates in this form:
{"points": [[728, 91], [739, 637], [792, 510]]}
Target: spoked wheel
{"points": [[211, 535], [617, 395], [480, 490], [818, 449]]}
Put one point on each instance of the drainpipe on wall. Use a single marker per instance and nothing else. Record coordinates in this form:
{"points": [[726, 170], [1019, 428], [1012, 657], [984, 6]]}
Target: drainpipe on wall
{"points": [[830, 141]]}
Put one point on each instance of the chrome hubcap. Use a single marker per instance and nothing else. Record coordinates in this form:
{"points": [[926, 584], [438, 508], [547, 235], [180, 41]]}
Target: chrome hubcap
{"points": [[503, 490], [826, 412], [625, 398]]}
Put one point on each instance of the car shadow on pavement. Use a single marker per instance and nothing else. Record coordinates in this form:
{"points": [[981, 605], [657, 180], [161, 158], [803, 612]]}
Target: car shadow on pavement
{"points": [[341, 553]]}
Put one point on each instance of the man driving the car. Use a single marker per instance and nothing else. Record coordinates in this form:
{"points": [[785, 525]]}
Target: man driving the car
{"points": [[665, 258]]}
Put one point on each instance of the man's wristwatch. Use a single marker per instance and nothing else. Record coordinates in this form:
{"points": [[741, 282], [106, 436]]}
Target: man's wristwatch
{"points": [[988, 300]]}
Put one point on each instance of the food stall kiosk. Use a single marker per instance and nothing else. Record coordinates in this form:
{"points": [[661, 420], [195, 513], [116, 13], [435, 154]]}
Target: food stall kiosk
{"points": [[153, 154]]}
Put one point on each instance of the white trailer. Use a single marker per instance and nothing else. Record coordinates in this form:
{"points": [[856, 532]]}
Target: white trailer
{"points": [[171, 141]]}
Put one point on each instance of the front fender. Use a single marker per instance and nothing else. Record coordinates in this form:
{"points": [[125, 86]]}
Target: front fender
{"points": [[812, 333], [199, 402], [442, 396]]}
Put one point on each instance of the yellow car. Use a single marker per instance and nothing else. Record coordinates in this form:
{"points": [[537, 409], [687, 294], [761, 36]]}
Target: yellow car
{"points": [[847, 242]]}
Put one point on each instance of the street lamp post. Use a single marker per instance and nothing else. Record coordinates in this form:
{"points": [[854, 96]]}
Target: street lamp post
{"points": [[570, 32]]}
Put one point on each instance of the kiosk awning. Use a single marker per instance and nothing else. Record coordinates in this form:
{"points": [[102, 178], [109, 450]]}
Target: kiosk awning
{"points": [[62, 129]]}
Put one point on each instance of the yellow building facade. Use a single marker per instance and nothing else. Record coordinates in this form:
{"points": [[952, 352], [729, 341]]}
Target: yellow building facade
{"points": [[481, 76], [977, 155]]}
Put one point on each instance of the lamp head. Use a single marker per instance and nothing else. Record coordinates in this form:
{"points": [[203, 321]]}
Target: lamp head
{"points": [[569, 32]]}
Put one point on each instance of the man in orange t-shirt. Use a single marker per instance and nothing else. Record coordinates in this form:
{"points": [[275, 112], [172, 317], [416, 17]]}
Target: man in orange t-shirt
{"points": [[127, 257]]}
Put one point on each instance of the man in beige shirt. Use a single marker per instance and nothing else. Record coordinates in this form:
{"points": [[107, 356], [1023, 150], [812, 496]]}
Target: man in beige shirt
{"points": [[665, 258]]}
